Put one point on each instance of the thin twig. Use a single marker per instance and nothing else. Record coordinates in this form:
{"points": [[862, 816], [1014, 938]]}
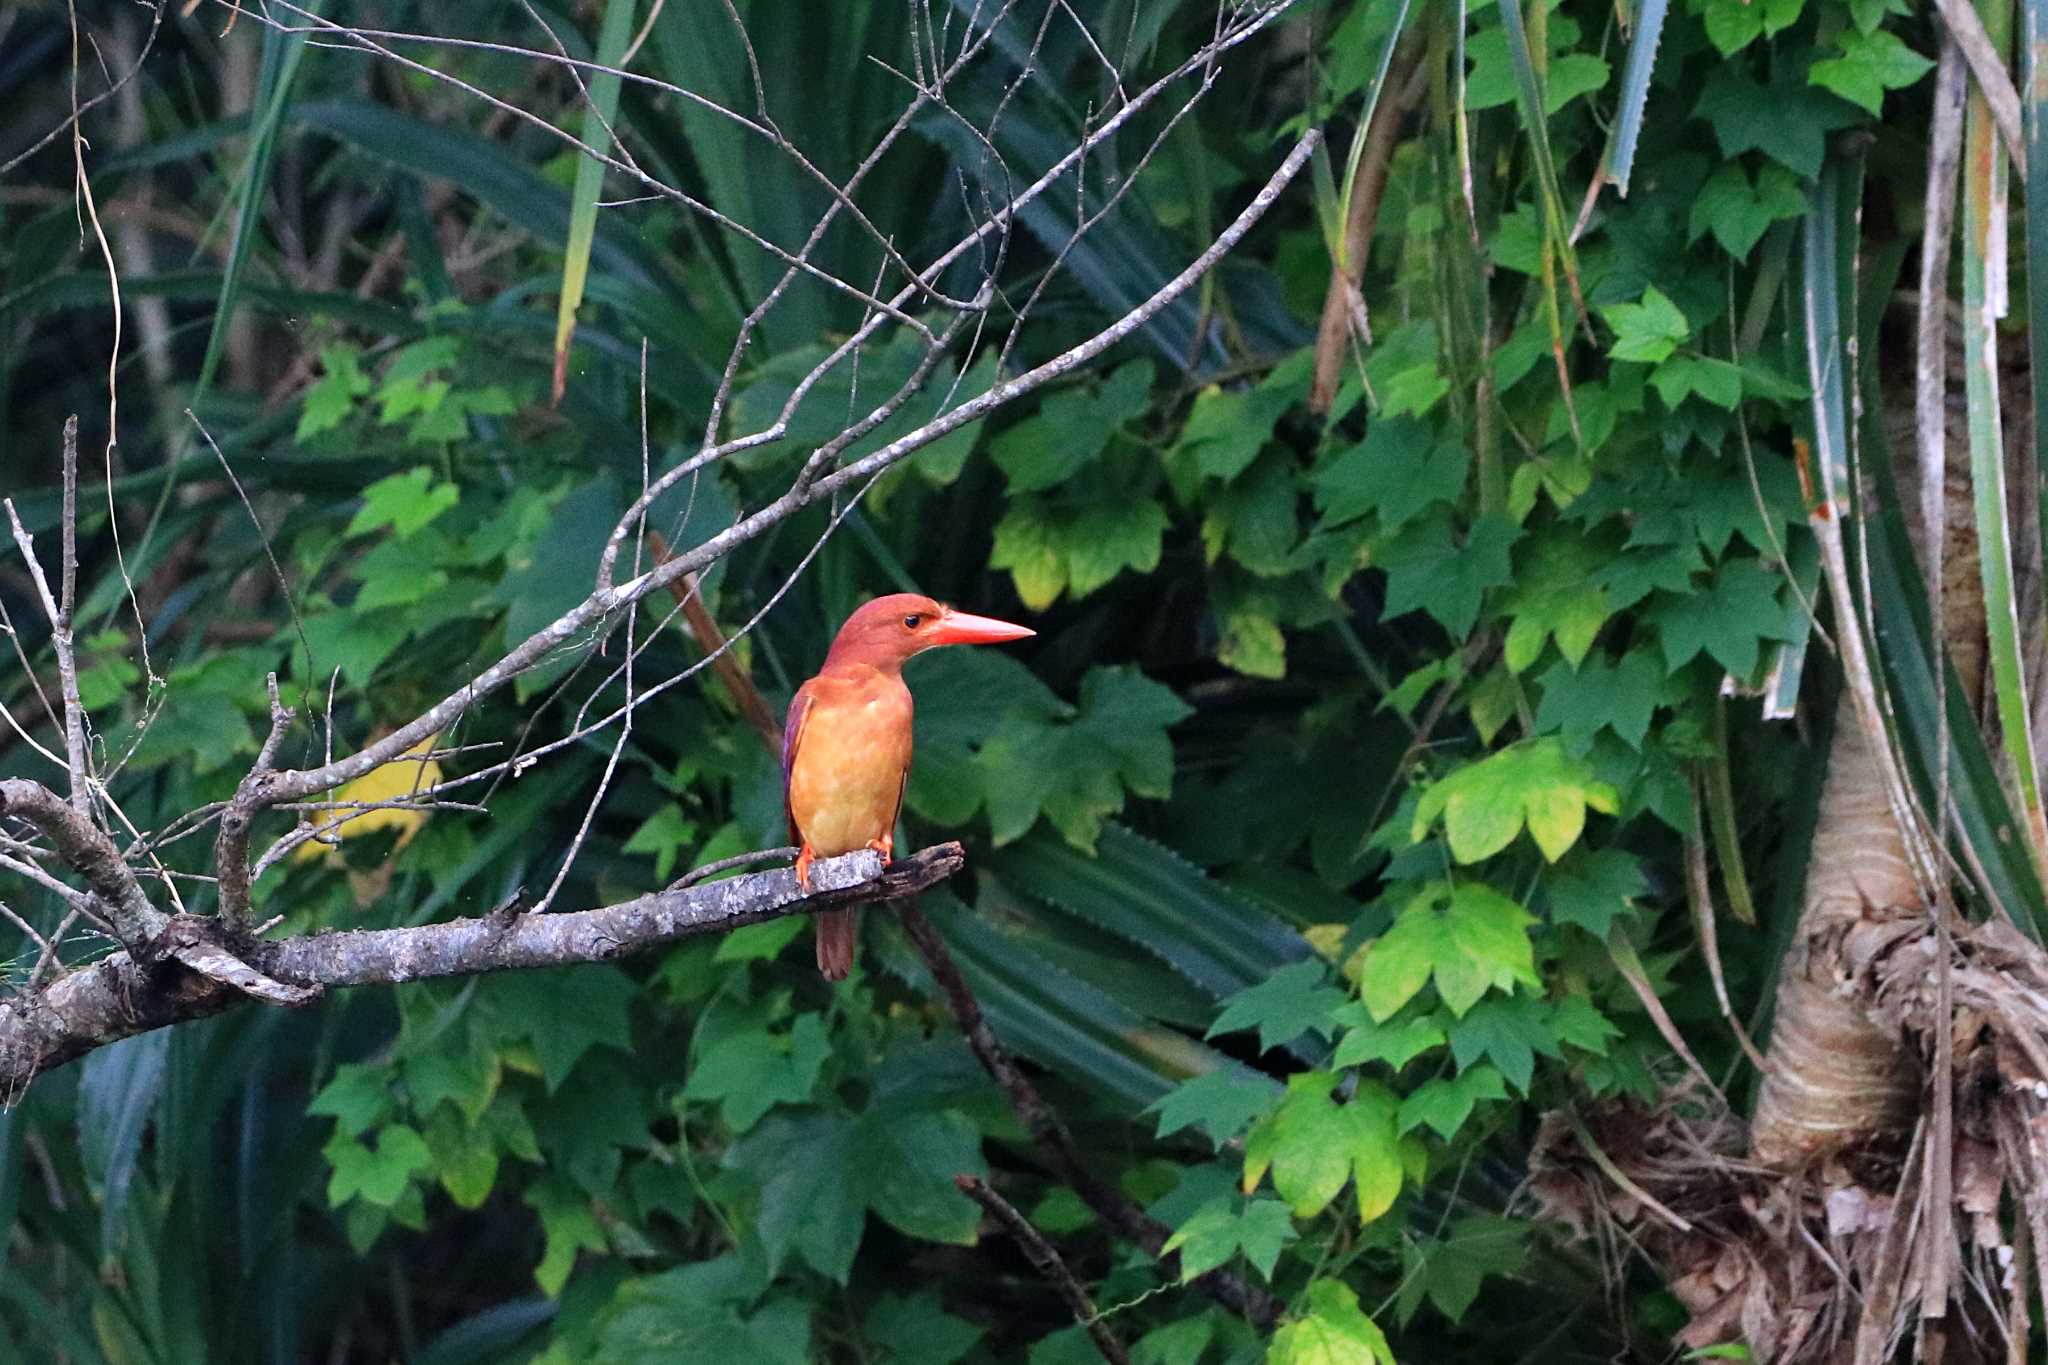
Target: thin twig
{"points": [[1046, 1261]]}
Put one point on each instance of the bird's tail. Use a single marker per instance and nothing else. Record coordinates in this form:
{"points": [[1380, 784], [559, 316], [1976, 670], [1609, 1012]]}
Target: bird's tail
{"points": [[836, 933]]}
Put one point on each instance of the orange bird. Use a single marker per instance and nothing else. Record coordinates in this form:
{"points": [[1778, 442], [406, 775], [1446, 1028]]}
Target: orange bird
{"points": [[846, 743]]}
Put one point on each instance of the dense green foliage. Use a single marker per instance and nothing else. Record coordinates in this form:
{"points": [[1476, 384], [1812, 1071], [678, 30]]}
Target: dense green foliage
{"points": [[1338, 825]]}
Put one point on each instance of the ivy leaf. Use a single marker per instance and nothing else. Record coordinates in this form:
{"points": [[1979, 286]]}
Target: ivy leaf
{"points": [[750, 1071], [1592, 889], [1734, 24], [1313, 1146], [1726, 620], [1335, 1332], [917, 1330], [568, 1226], [1736, 211], [1076, 771], [1226, 430], [1470, 939], [663, 834], [1400, 468], [1428, 569], [1871, 63], [1450, 1269], [1509, 1032], [1222, 1103], [379, 1173], [405, 502], [1071, 428], [1575, 1020], [358, 1098], [1580, 702], [1788, 120], [1396, 1045], [1554, 597], [1287, 1004], [1219, 1231], [1717, 381], [563, 1013], [1649, 330], [811, 1200], [1444, 1105], [333, 397], [1050, 550], [1484, 805], [905, 1162]]}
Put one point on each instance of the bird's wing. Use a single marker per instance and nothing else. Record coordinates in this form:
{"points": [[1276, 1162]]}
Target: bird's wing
{"points": [[793, 735]]}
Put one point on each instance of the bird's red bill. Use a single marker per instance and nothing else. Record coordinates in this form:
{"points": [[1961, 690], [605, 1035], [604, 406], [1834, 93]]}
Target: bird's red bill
{"points": [[960, 628]]}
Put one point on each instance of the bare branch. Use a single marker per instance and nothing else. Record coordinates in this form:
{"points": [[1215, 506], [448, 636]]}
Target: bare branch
{"points": [[60, 621], [1045, 1259], [86, 848], [119, 996]]}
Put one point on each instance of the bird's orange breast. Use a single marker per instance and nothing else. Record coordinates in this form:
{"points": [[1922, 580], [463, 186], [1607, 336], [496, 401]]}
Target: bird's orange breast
{"points": [[846, 777]]}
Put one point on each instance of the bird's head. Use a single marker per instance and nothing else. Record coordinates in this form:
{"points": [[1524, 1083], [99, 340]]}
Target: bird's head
{"points": [[888, 630]]}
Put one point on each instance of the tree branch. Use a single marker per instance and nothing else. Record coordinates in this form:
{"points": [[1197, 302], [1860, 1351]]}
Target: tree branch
{"points": [[1045, 1259], [87, 849], [120, 996]]}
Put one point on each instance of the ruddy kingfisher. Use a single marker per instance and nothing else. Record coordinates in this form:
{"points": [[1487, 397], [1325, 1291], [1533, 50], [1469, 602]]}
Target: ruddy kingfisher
{"points": [[846, 742]]}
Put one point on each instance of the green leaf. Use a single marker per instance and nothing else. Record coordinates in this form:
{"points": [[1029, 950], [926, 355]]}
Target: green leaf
{"points": [[1726, 619], [917, 1330], [1470, 939], [1444, 1105], [380, 1174], [1649, 330], [1428, 569], [1222, 1103], [1292, 1001], [905, 1164], [1050, 550], [1736, 211], [1314, 1146], [1509, 1032], [748, 1072], [1717, 381], [404, 502], [333, 396], [1580, 702], [1484, 805], [568, 1226], [563, 1013], [1734, 24], [1400, 468], [1871, 63], [1788, 120], [1450, 1269], [1222, 1229], [811, 1197], [664, 834], [1076, 773], [357, 1099], [1226, 430], [1071, 428], [1369, 1040], [1554, 597], [1335, 1332], [1592, 888]]}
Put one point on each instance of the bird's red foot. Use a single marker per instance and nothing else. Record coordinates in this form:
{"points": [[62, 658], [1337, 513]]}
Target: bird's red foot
{"points": [[803, 869], [885, 846]]}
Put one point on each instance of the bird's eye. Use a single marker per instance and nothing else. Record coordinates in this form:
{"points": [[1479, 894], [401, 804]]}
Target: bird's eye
{"points": [[912, 622]]}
